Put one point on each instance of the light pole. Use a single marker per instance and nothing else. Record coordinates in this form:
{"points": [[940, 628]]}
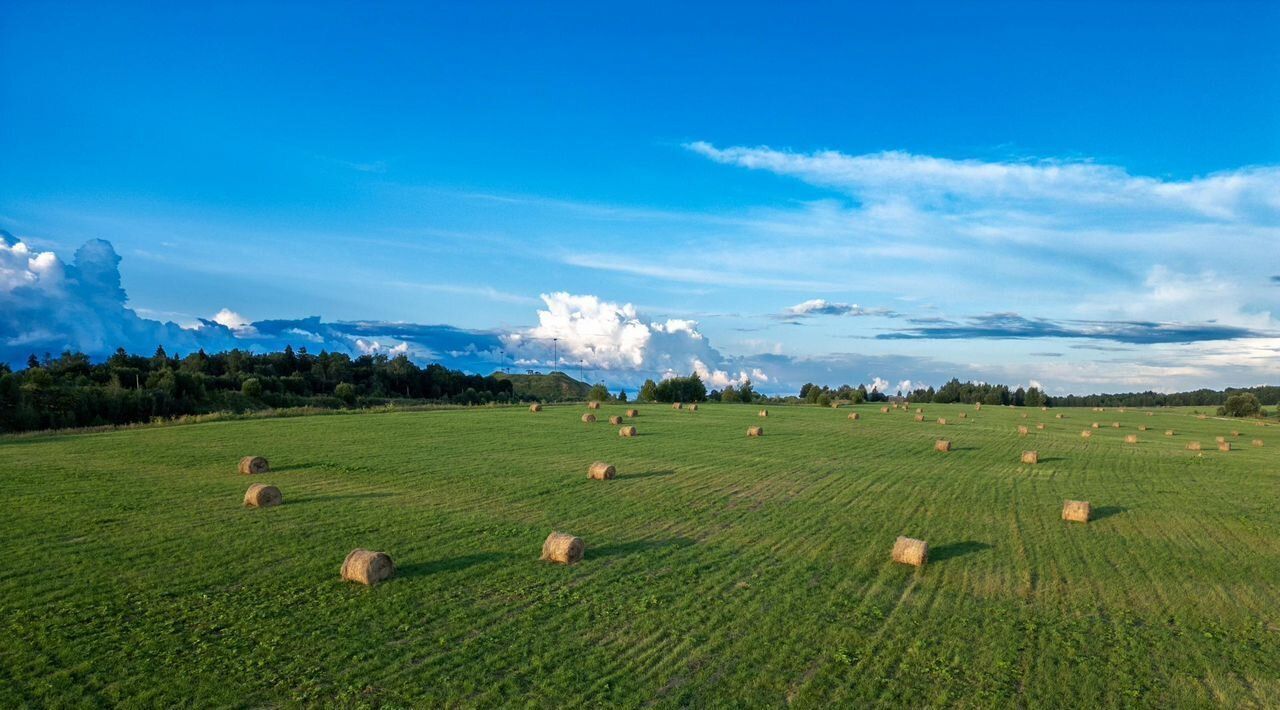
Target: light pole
{"points": [[555, 345]]}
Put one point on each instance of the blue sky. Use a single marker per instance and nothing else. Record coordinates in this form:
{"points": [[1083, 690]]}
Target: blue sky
{"points": [[1082, 195]]}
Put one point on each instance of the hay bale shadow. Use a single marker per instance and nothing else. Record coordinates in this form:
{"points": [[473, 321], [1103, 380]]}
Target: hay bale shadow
{"points": [[290, 467], [951, 550], [336, 497], [628, 548], [646, 474], [451, 564], [1051, 459], [1106, 512]]}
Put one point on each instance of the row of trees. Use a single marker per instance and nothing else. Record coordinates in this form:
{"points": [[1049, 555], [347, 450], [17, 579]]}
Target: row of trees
{"points": [[72, 391]]}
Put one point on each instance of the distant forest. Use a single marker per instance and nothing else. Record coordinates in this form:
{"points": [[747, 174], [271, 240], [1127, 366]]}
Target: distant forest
{"points": [[72, 391]]}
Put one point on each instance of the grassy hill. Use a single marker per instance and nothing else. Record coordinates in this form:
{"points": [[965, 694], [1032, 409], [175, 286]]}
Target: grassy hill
{"points": [[720, 570], [553, 387]]}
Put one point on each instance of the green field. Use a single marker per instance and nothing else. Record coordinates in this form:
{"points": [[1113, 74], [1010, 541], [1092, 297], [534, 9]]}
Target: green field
{"points": [[720, 571]]}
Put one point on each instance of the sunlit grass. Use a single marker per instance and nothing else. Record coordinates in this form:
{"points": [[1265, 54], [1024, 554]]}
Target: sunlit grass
{"points": [[720, 570]]}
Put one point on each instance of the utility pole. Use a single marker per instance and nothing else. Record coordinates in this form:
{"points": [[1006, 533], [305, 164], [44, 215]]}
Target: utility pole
{"points": [[555, 344]]}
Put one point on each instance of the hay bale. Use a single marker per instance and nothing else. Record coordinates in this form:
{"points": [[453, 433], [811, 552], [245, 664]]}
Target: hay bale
{"points": [[764, 413], [588, 418], [633, 413], [693, 407], [919, 417], [615, 420], [627, 432], [1224, 446], [977, 407], [1044, 409], [367, 567], [535, 408], [885, 410], [1193, 446], [1057, 416], [942, 445], [593, 405], [964, 415], [1168, 432], [1130, 438], [562, 548], [262, 496], [675, 405], [1024, 416], [1022, 430], [1115, 425], [1257, 443], [1235, 433], [919, 410], [855, 416], [1151, 414], [1096, 425], [910, 551], [1142, 427], [1220, 439], [1040, 427], [942, 421], [1076, 511], [1030, 457], [252, 465], [755, 431], [1201, 417], [1086, 433], [601, 471]]}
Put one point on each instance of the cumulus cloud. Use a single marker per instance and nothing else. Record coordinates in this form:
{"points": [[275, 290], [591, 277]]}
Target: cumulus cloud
{"points": [[823, 307]]}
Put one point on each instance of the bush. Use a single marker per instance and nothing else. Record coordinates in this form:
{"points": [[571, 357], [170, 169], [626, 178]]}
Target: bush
{"points": [[252, 387], [346, 392], [1244, 404]]}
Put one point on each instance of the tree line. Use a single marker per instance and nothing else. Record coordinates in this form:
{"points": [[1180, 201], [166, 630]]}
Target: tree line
{"points": [[72, 391]]}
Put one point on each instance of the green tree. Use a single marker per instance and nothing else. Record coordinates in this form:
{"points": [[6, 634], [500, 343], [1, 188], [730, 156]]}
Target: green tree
{"points": [[622, 395], [346, 392], [729, 394], [648, 391], [1242, 404], [252, 387], [598, 393]]}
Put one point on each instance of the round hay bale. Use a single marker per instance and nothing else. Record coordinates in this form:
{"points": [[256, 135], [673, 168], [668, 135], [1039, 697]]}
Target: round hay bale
{"points": [[753, 431], [1151, 414], [855, 416], [633, 413], [262, 496], [588, 418], [1224, 446], [910, 551], [535, 408], [1086, 433], [593, 405], [562, 548], [964, 415], [942, 421], [1220, 439], [1030, 457], [1168, 432], [675, 405], [1076, 511], [977, 407], [1024, 416], [367, 567], [693, 407], [942, 445], [252, 465], [1142, 427], [919, 417], [601, 471], [1130, 438], [919, 410], [1235, 433], [1044, 409], [885, 410], [1040, 427], [1201, 417], [1193, 446], [1022, 431], [615, 420], [627, 432], [1096, 425], [1115, 425], [1257, 443], [764, 413], [1057, 416]]}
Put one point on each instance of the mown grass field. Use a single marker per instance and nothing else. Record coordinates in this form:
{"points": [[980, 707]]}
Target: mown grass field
{"points": [[720, 571]]}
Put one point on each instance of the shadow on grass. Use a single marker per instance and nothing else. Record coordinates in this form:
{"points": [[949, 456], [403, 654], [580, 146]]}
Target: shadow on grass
{"points": [[956, 549], [290, 467], [451, 564], [1106, 511], [646, 474], [1051, 459], [336, 497], [627, 548]]}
